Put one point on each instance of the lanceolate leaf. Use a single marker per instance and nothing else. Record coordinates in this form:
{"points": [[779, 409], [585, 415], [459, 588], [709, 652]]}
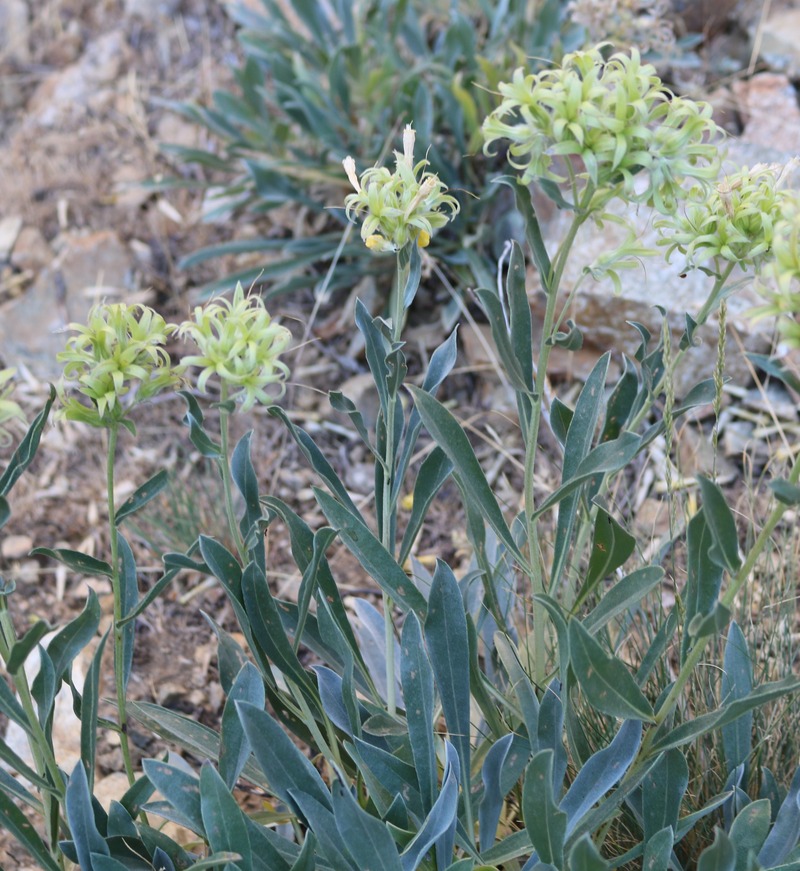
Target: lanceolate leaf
{"points": [[705, 723], [545, 823], [601, 772], [79, 562], [605, 680], [737, 683], [703, 576], [418, 695], [149, 490], [90, 701], [223, 819], [372, 555], [446, 638], [180, 789], [452, 439], [285, 767], [576, 448], [720, 856], [434, 471], [663, 790], [492, 801], [80, 816], [611, 546], [725, 552], [786, 829], [521, 685], [750, 829], [624, 595], [14, 821], [367, 837], [234, 747], [440, 821], [658, 850]]}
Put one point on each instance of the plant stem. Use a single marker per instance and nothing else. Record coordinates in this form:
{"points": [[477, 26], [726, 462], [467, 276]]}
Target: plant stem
{"points": [[225, 471], [119, 653], [387, 508], [552, 283]]}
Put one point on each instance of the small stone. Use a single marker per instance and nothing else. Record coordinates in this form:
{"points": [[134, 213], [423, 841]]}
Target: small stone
{"points": [[780, 40], [70, 92], [769, 111], [31, 251], [15, 547]]}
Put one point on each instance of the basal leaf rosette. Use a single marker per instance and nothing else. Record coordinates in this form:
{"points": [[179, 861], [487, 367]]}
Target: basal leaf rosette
{"points": [[734, 222], [608, 127], [239, 343], [117, 359], [9, 410], [398, 207]]}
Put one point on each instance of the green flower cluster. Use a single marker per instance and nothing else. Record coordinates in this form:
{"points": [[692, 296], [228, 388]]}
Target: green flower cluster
{"points": [[116, 360], [601, 124], [240, 343], [9, 410], [784, 298], [735, 221], [401, 206]]}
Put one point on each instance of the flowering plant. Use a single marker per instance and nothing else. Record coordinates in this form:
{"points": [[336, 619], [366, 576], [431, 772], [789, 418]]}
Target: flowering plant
{"points": [[238, 342], [117, 359], [600, 124], [400, 206]]}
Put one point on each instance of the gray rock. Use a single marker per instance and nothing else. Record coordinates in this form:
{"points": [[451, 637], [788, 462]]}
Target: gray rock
{"points": [[88, 269], [14, 31]]}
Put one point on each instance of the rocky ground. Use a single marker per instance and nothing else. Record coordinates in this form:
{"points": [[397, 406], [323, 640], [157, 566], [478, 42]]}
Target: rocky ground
{"points": [[80, 128]]}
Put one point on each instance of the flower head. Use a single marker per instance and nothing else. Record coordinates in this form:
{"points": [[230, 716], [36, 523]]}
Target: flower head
{"points": [[403, 206], [784, 297], [603, 123], [735, 221], [9, 410], [239, 342], [117, 359]]}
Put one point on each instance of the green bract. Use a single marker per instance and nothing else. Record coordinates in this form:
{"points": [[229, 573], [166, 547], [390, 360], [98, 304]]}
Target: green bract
{"points": [[8, 408], [784, 298], [240, 343], [735, 222], [600, 124], [118, 354], [400, 206]]}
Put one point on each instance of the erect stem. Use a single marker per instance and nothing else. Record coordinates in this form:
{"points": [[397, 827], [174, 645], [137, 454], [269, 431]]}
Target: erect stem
{"points": [[552, 284], [387, 506], [225, 471], [116, 588]]}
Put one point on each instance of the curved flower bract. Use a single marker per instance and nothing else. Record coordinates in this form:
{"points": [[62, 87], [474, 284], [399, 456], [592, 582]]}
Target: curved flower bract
{"points": [[9, 410], [603, 125], [735, 221], [784, 299], [403, 206], [239, 342], [116, 360]]}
